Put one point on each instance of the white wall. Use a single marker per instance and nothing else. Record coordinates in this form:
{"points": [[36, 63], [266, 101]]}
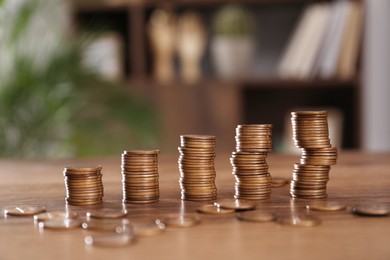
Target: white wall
{"points": [[376, 78]]}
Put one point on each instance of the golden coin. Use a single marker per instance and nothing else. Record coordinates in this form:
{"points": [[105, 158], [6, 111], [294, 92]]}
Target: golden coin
{"points": [[82, 170], [326, 206], [300, 196], [83, 202], [251, 198], [55, 215], [110, 240], [106, 213], [24, 210], [198, 137], [140, 152], [182, 221], [236, 204], [133, 201], [60, 224], [106, 225], [278, 182], [256, 216], [371, 210], [149, 229], [299, 221], [198, 199], [214, 209]]}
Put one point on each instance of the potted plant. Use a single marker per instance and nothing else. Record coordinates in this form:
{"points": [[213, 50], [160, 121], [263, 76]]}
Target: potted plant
{"points": [[51, 105], [232, 45]]}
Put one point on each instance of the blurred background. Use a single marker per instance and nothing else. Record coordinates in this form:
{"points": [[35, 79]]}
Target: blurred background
{"points": [[90, 78]]}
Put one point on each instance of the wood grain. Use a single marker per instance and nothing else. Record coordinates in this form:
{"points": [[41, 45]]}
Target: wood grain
{"points": [[357, 179]]}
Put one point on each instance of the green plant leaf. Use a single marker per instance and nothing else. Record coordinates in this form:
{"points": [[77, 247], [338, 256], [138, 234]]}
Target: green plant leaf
{"points": [[22, 22]]}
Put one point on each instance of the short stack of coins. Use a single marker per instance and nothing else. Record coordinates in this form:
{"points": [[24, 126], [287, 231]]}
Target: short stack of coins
{"points": [[83, 185], [196, 166], [253, 142], [140, 176], [311, 134]]}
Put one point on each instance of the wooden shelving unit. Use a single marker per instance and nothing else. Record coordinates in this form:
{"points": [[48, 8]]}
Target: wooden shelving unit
{"points": [[215, 106]]}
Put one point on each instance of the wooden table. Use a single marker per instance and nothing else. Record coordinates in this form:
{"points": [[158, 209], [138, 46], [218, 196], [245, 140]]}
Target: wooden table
{"points": [[357, 179]]}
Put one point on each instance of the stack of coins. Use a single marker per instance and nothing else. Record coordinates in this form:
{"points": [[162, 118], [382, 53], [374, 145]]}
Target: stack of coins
{"points": [[254, 138], [250, 168], [319, 156], [83, 185], [196, 166], [311, 134], [140, 176]]}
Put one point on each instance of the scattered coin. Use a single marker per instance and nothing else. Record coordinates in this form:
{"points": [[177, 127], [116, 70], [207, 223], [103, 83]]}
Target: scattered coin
{"points": [[236, 204], [181, 220], [55, 215], [256, 216], [278, 182], [121, 239], [60, 224], [24, 210], [299, 221], [371, 210], [106, 225], [214, 209], [326, 206], [106, 213], [149, 229]]}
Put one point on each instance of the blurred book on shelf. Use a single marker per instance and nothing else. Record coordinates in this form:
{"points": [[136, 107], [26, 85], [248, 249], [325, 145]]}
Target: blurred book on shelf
{"points": [[350, 44], [325, 43]]}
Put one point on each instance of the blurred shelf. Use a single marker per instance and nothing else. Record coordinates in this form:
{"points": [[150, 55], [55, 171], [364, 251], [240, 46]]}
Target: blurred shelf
{"points": [[254, 82], [122, 4], [214, 105], [295, 83]]}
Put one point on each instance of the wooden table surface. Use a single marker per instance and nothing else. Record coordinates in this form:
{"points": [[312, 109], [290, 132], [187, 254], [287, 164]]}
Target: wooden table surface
{"points": [[357, 179]]}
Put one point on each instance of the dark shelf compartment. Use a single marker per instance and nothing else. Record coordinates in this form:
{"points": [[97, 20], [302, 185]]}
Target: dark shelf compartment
{"points": [[272, 103], [101, 20]]}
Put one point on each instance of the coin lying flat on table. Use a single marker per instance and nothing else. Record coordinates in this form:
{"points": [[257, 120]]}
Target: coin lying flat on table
{"points": [[214, 210], [181, 220], [326, 206], [299, 221], [106, 213], [278, 182], [149, 229], [371, 210], [55, 215], [236, 204], [256, 216], [24, 210], [120, 239], [106, 225], [60, 224]]}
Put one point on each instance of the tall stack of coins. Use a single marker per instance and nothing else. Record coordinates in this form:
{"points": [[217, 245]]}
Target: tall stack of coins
{"points": [[196, 166], [140, 176], [83, 185], [311, 134], [250, 168]]}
